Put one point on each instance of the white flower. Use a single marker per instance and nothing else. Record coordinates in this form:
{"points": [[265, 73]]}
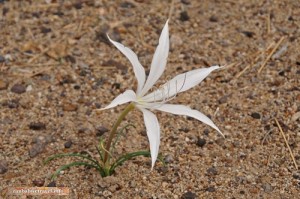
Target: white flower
{"points": [[157, 100]]}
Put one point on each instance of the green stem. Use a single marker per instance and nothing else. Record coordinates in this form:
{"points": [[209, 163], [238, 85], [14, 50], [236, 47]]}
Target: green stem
{"points": [[114, 130]]}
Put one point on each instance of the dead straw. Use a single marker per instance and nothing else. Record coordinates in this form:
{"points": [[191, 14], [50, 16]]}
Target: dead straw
{"points": [[287, 144], [270, 55]]}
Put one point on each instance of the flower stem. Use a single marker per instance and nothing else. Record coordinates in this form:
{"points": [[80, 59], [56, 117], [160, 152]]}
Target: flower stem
{"points": [[114, 130]]}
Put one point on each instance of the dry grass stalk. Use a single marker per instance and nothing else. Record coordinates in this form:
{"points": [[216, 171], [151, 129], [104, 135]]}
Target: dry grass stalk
{"points": [[287, 144], [270, 55]]}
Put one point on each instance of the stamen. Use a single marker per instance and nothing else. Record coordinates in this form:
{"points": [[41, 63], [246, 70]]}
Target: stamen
{"points": [[163, 94]]}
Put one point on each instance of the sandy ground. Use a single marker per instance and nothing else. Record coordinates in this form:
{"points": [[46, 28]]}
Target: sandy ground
{"points": [[57, 68]]}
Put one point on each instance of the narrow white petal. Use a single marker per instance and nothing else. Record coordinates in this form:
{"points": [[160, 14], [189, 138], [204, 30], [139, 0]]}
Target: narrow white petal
{"points": [[153, 133], [127, 96], [179, 84], [187, 111], [159, 60], [138, 69]]}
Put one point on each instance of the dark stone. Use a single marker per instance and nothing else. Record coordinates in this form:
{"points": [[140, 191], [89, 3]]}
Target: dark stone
{"points": [[248, 33], [52, 184], [212, 171], [223, 99], [186, 2], [67, 80], [45, 30], [255, 115], [184, 129], [13, 104], [189, 195], [76, 87], [101, 130], [3, 166], [59, 13], [37, 126], [127, 5], [97, 105], [71, 59], [210, 189], [206, 132], [184, 16], [68, 144], [18, 88], [201, 142], [83, 130], [78, 5], [38, 182], [5, 11], [116, 85], [213, 19], [281, 73], [296, 176]]}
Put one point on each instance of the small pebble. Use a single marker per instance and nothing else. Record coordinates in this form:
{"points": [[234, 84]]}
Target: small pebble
{"points": [[3, 166], [101, 130], [168, 159], [37, 126], [267, 187], [189, 195], [38, 182], [184, 129], [36, 149], [184, 16], [13, 104], [83, 130], [68, 144], [52, 184], [201, 142], [248, 33], [69, 106], [213, 19], [212, 171], [255, 115], [18, 88], [187, 2], [211, 189]]}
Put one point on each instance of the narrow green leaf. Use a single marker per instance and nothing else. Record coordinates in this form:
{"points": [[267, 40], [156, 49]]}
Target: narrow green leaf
{"points": [[73, 164], [71, 155]]}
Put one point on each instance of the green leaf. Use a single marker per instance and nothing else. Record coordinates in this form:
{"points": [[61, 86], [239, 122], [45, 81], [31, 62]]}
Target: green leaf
{"points": [[71, 155], [73, 164], [128, 156]]}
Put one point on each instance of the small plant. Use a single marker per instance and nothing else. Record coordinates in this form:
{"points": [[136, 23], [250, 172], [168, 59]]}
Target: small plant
{"points": [[146, 103]]}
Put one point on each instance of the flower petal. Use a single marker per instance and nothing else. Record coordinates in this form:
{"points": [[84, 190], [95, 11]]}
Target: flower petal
{"points": [[159, 60], [179, 84], [127, 96], [138, 69], [153, 133], [187, 111]]}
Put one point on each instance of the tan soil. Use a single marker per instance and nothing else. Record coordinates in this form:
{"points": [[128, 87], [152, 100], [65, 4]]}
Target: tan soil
{"points": [[57, 68]]}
